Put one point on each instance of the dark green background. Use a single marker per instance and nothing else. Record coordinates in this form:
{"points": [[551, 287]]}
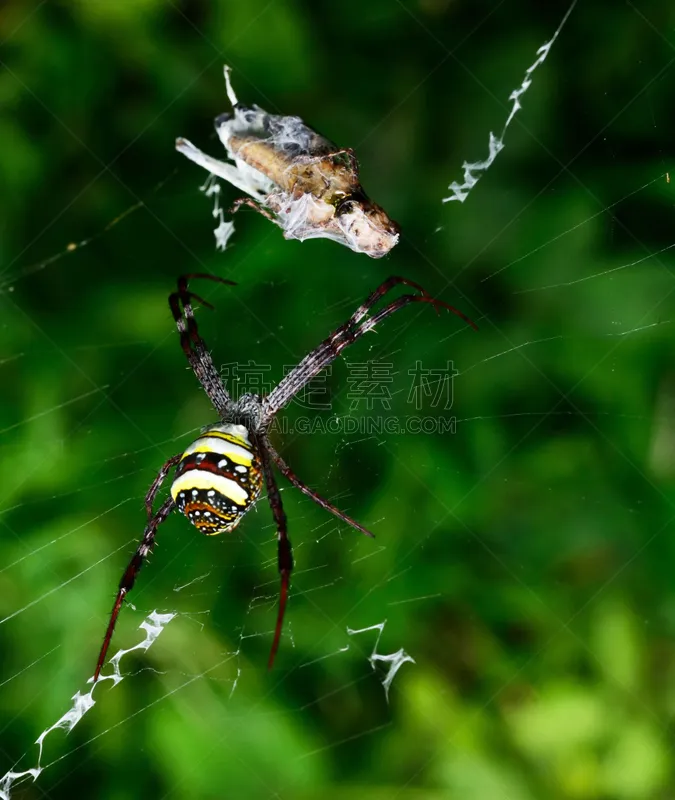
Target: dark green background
{"points": [[526, 562]]}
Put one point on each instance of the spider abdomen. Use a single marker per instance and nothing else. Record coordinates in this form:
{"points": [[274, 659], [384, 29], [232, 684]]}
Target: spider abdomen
{"points": [[217, 479]]}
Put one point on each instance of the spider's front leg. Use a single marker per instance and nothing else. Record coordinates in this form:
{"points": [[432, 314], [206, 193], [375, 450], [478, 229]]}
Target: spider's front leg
{"points": [[285, 551], [359, 323], [193, 345]]}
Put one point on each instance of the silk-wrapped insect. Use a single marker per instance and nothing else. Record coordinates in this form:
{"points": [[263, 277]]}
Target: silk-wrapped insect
{"points": [[297, 178]]}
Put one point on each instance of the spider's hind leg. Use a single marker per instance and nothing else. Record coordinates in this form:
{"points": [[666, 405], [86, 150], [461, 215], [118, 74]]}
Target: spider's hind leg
{"points": [[320, 501], [130, 574], [159, 480], [285, 550]]}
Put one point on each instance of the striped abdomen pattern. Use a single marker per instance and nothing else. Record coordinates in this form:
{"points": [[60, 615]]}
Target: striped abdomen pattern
{"points": [[218, 479]]}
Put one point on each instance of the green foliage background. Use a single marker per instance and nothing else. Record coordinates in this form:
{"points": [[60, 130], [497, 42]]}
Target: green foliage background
{"points": [[526, 562]]}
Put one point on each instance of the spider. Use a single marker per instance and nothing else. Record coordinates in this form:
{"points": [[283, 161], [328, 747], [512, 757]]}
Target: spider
{"points": [[220, 475]]}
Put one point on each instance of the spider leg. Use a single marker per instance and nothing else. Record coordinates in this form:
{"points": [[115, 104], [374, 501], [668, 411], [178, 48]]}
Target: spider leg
{"points": [[159, 480], [401, 302], [192, 343], [249, 201], [358, 324], [130, 573], [395, 280], [285, 551], [293, 478]]}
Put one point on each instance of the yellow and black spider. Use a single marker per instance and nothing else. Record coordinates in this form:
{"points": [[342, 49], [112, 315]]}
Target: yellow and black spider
{"points": [[219, 477]]}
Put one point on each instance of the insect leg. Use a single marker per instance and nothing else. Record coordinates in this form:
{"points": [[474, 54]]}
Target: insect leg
{"points": [[249, 201]]}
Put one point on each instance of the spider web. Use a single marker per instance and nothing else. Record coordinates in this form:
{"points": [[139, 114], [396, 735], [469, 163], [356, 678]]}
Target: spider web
{"points": [[353, 650]]}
